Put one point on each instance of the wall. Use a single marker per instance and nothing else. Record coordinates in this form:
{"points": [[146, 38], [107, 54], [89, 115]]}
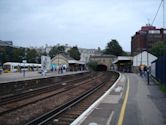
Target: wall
{"points": [[142, 58], [160, 69]]}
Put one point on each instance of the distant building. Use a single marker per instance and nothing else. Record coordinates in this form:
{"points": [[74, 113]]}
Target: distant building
{"points": [[6, 43], [146, 37], [86, 53], [48, 49]]}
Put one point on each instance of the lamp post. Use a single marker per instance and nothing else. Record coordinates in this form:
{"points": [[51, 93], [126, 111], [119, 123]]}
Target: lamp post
{"points": [[58, 62], [148, 68], [24, 61]]}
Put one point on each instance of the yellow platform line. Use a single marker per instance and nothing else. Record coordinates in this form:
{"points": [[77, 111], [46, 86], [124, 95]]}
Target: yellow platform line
{"points": [[122, 112]]}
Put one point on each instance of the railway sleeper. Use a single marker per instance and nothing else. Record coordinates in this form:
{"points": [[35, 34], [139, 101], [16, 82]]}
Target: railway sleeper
{"points": [[69, 115], [66, 119]]}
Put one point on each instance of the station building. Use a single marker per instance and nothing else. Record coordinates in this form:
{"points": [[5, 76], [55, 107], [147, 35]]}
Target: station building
{"points": [[64, 61], [144, 58]]}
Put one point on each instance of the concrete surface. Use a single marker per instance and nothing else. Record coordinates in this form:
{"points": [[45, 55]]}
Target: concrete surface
{"points": [[7, 77], [146, 104]]}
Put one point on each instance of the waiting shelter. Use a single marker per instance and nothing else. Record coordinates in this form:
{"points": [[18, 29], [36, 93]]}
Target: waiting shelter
{"points": [[123, 63]]}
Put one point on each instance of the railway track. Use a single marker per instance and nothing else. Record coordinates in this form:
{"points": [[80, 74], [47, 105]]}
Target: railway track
{"points": [[68, 112], [14, 112], [21, 101], [33, 92]]}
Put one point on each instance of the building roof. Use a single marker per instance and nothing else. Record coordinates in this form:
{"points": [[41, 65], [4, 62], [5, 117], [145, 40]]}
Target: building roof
{"points": [[75, 62], [123, 58], [102, 56], [69, 59]]}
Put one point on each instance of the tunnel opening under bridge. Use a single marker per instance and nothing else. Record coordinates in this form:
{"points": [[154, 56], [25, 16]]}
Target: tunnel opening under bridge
{"points": [[101, 67]]}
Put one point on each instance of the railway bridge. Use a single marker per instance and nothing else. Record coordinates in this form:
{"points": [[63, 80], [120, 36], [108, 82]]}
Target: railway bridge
{"points": [[104, 62]]}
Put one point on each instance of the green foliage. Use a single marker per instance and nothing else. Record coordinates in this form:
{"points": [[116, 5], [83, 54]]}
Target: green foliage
{"points": [[163, 88], [114, 48], [6, 53], [74, 53], [13, 54], [92, 65], [18, 54], [32, 55], [158, 49], [55, 50]]}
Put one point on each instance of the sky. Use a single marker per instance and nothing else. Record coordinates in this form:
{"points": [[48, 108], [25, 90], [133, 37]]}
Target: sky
{"points": [[85, 23]]}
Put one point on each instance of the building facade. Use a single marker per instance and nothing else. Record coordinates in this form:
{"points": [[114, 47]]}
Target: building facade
{"points": [[85, 53], [65, 61], [145, 38], [6, 43]]}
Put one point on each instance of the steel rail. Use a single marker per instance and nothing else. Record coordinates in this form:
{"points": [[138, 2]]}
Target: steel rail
{"points": [[67, 88], [35, 92], [53, 113]]}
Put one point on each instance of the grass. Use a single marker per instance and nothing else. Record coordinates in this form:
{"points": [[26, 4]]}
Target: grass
{"points": [[163, 88]]}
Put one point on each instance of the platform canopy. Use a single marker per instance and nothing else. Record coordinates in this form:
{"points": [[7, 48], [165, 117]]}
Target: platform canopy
{"points": [[122, 59], [76, 62]]}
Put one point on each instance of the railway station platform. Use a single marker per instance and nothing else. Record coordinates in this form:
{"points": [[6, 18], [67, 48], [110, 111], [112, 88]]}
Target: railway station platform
{"points": [[11, 77], [130, 101]]}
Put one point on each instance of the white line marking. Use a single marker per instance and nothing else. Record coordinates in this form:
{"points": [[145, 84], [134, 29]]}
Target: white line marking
{"points": [[110, 118], [87, 112], [118, 89]]}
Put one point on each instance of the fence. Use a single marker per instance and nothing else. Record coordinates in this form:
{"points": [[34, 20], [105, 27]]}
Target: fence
{"points": [[159, 69]]}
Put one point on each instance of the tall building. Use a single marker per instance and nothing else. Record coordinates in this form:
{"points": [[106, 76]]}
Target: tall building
{"points": [[145, 38]]}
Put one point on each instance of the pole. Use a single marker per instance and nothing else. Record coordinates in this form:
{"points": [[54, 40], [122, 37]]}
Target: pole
{"points": [[58, 63], [24, 70], [148, 68], [163, 14]]}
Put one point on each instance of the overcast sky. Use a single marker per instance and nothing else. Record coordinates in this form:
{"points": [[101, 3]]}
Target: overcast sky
{"points": [[85, 23]]}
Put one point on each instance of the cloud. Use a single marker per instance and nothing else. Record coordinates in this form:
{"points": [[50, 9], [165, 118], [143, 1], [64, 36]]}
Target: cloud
{"points": [[88, 23]]}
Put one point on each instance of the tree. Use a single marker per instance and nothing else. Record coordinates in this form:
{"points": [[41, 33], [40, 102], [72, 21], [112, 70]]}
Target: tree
{"points": [[158, 49], [32, 55], [6, 54], [55, 50], [92, 65], [18, 54], [114, 48], [74, 53]]}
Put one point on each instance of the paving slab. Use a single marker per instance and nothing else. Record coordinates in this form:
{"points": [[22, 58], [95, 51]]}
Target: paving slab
{"points": [[145, 105]]}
